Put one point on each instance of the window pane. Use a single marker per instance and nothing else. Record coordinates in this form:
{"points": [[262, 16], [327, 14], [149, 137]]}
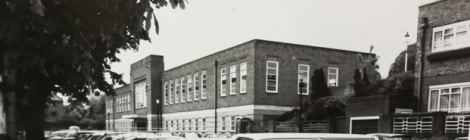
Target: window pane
{"points": [[448, 36], [466, 99], [444, 102], [437, 40], [434, 99], [444, 91], [272, 65], [454, 100], [332, 71], [272, 71]]}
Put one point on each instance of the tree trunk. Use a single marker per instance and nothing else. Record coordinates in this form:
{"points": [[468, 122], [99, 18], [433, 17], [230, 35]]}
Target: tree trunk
{"points": [[35, 123]]}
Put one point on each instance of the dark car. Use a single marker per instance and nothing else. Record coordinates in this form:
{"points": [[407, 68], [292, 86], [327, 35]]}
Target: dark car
{"points": [[389, 136]]}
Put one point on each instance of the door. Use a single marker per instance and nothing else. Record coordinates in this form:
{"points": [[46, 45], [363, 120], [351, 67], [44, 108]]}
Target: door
{"points": [[141, 125], [364, 126]]}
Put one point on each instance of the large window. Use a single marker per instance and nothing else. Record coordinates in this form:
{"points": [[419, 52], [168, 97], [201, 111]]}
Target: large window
{"points": [[177, 91], [303, 75], [196, 87], [183, 89], [223, 82], [139, 90], [243, 77], [196, 124], [203, 123], [233, 80], [332, 77], [165, 92], [190, 88], [171, 92], [190, 124], [184, 124], [452, 99], [224, 123], [203, 85], [450, 37], [233, 123], [272, 76]]}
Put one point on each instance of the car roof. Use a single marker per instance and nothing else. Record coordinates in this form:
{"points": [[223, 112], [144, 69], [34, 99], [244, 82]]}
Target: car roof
{"points": [[301, 135], [388, 134], [462, 138]]}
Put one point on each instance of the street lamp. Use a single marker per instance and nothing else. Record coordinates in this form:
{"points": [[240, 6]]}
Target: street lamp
{"points": [[407, 36], [301, 85], [158, 113]]}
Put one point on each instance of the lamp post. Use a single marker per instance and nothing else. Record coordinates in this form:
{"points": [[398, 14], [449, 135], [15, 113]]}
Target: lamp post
{"points": [[301, 85], [407, 36], [158, 114], [215, 96]]}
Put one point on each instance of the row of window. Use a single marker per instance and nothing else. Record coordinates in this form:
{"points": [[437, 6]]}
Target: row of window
{"points": [[454, 99], [272, 77], [123, 103], [200, 124], [109, 106], [451, 37], [232, 84], [120, 126], [185, 89]]}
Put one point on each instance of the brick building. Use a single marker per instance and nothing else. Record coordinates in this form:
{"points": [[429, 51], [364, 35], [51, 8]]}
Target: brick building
{"points": [[257, 79], [444, 44], [55, 108]]}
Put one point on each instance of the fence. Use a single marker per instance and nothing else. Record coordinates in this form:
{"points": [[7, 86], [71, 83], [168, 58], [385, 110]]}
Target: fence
{"points": [[316, 126]]}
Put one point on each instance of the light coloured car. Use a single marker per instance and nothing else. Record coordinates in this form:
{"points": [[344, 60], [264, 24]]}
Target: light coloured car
{"points": [[391, 136], [156, 138], [300, 136], [462, 138]]}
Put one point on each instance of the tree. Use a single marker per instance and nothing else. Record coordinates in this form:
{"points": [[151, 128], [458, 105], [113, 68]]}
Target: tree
{"points": [[56, 46], [325, 107], [366, 76], [398, 66], [319, 87]]}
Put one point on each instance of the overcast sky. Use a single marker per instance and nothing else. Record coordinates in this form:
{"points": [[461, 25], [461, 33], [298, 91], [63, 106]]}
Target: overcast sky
{"points": [[208, 26]]}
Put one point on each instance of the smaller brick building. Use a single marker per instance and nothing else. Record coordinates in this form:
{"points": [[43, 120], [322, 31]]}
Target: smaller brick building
{"points": [[56, 108], [258, 79]]}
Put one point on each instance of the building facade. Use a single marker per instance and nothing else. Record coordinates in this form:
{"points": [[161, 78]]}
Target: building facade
{"points": [[444, 50], [55, 108], [257, 79]]}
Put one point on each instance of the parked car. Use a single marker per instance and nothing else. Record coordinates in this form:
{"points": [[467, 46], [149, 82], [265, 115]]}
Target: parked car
{"points": [[222, 136], [155, 138], [300, 136], [462, 138], [191, 135], [390, 136], [61, 134]]}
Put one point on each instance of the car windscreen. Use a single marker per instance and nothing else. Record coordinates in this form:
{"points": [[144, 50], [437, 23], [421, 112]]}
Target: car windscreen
{"points": [[394, 138]]}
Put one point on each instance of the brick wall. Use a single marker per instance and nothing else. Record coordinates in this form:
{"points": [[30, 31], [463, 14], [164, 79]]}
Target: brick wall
{"points": [[232, 56], [444, 71], [285, 53]]}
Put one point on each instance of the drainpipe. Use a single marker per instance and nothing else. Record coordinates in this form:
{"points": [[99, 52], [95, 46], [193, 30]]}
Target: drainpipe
{"points": [[423, 28], [215, 96]]}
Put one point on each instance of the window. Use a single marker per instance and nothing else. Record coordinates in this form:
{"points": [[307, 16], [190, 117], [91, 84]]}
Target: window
{"points": [[450, 37], [128, 102], [171, 93], [177, 91], [196, 124], [224, 123], [118, 101], [271, 76], [183, 89], [233, 80], [243, 77], [189, 124], [183, 124], [196, 87], [203, 85], [332, 77], [140, 97], [303, 75], [165, 93], [233, 123], [190, 88], [453, 99], [223, 82], [203, 123]]}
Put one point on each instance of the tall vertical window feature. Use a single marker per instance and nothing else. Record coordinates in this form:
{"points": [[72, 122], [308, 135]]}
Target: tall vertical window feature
{"points": [[448, 38], [177, 91], [224, 123], [461, 35], [332, 77], [190, 88], [233, 123], [189, 124], [184, 124], [196, 124], [303, 75], [272, 76], [183, 89], [223, 82], [203, 85], [196, 87], [118, 104], [165, 93], [233, 80], [171, 92], [139, 89], [243, 77], [128, 102], [203, 123]]}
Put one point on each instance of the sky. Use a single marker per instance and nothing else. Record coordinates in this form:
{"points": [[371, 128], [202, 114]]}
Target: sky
{"points": [[208, 26]]}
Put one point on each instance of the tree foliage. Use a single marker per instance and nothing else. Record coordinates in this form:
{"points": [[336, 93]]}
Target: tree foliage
{"points": [[366, 75], [319, 87], [398, 66], [67, 46], [326, 107]]}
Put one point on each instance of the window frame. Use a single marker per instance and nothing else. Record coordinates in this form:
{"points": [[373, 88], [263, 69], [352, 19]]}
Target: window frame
{"points": [[203, 85], [277, 76], [165, 93], [455, 40], [170, 93], [336, 78], [223, 76], [307, 82], [243, 72], [196, 86], [177, 91], [189, 84], [459, 107], [139, 89], [233, 85], [183, 89]]}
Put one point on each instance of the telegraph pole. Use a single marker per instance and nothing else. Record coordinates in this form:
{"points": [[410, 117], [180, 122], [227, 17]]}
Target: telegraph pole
{"points": [[215, 96]]}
